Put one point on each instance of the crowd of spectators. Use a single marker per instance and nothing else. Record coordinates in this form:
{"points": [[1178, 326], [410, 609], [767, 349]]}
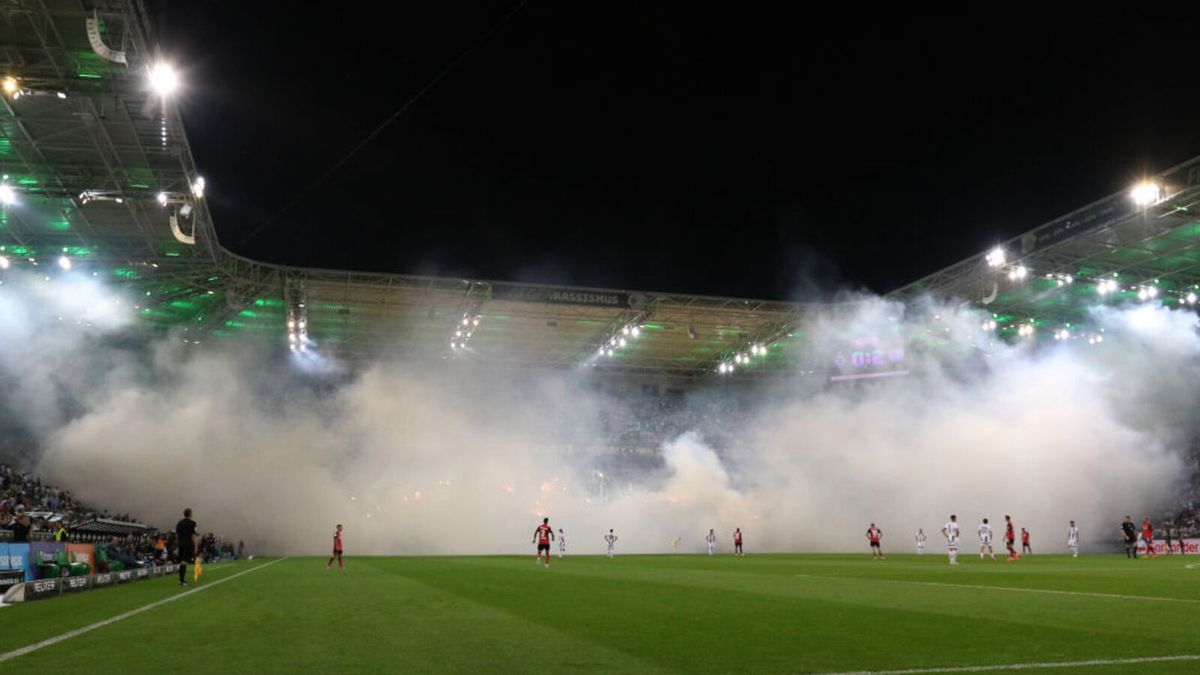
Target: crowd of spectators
{"points": [[32, 510]]}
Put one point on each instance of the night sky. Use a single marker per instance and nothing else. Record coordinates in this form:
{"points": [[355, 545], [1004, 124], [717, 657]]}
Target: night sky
{"points": [[705, 149]]}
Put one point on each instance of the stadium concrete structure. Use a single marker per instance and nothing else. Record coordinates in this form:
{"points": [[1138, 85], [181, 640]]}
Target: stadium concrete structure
{"points": [[101, 173]]}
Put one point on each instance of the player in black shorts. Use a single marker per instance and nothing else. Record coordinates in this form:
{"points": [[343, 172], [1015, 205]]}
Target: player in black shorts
{"points": [[185, 534]]}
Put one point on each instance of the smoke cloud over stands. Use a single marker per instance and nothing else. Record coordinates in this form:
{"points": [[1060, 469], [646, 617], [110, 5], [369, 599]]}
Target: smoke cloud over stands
{"points": [[419, 458]]}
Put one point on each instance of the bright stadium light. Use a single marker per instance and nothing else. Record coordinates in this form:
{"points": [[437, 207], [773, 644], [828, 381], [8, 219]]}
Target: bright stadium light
{"points": [[10, 85], [1191, 297], [64, 262], [162, 198], [1145, 194], [4, 262], [1017, 273], [8, 195], [198, 187], [163, 79], [996, 258], [636, 331]]}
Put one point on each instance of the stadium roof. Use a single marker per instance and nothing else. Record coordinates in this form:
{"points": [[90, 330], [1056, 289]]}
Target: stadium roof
{"points": [[1127, 247], [104, 175]]}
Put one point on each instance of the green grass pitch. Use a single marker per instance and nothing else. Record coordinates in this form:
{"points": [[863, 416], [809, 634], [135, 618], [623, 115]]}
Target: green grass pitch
{"points": [[632, 614]]}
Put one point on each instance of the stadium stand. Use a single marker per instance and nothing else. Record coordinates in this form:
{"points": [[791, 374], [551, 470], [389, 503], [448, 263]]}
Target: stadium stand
{"points": [[34, 511]]}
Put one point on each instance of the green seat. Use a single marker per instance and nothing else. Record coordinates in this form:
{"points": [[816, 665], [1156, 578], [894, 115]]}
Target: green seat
{"points": [[49, 570], [105, 564], [74, 569]]}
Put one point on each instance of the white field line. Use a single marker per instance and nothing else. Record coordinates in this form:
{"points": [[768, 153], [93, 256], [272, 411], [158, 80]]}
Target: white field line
{"points": [[1115, 596], [1027, 666], [124, 615]]}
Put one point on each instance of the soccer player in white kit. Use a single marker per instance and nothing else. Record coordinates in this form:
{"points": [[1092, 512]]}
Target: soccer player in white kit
{"points": [[562, 544], [985, 539], [1073, 540], [920, 541], [712, 542], [950, 532], [611, 539]]}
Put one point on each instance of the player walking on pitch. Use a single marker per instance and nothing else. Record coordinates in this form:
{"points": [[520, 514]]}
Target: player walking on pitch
{"points": [[543, 535], [1148, 537], [874, 534], [950, 532], [737, 542], [562, 544], [1073, 540], [1010, 539], [985, 539], [1025, 547], [337, 549], [711, 539], [920, 541], [610, 539]]}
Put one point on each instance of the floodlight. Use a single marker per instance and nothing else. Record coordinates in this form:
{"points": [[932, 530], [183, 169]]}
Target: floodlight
{"points": [[1145, 194], [3, 262], [621, 342], [996, 258], [10, 85], [198, 187], [64, 262], [636, 331], [162, 198], [1191, 297], [7, 194], [163, 79]]}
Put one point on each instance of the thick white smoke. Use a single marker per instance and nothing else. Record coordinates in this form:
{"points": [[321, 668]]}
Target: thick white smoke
{"points": [[415, 458]]}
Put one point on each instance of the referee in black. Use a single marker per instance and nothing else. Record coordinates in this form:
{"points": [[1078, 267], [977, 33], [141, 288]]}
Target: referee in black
{"points": [[185, 535], [1129, 534]]}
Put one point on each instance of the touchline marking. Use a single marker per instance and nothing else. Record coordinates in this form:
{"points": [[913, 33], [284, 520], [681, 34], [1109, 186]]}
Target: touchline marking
{"points": [[1026, 666], [100, 624], [1116, 596]]}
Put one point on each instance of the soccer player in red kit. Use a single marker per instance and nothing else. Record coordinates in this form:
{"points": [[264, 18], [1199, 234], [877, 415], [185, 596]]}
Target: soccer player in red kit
{"points": [[337, 549], [1010, 539], [873, 536], [1148, 537], [737, 542], [1025, 547], [543, 536]]}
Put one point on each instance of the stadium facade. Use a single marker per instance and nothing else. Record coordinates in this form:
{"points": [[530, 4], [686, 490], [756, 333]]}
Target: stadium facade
{"points": [[101, 174]]}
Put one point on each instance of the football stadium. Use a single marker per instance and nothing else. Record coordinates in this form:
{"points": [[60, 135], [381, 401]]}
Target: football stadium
{"points": [[993, 467]]}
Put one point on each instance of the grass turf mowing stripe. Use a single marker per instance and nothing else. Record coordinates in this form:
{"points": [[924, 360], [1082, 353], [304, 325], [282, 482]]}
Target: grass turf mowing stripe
{"points": [[1115, 596], [124, 615], [1027, 666]]}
